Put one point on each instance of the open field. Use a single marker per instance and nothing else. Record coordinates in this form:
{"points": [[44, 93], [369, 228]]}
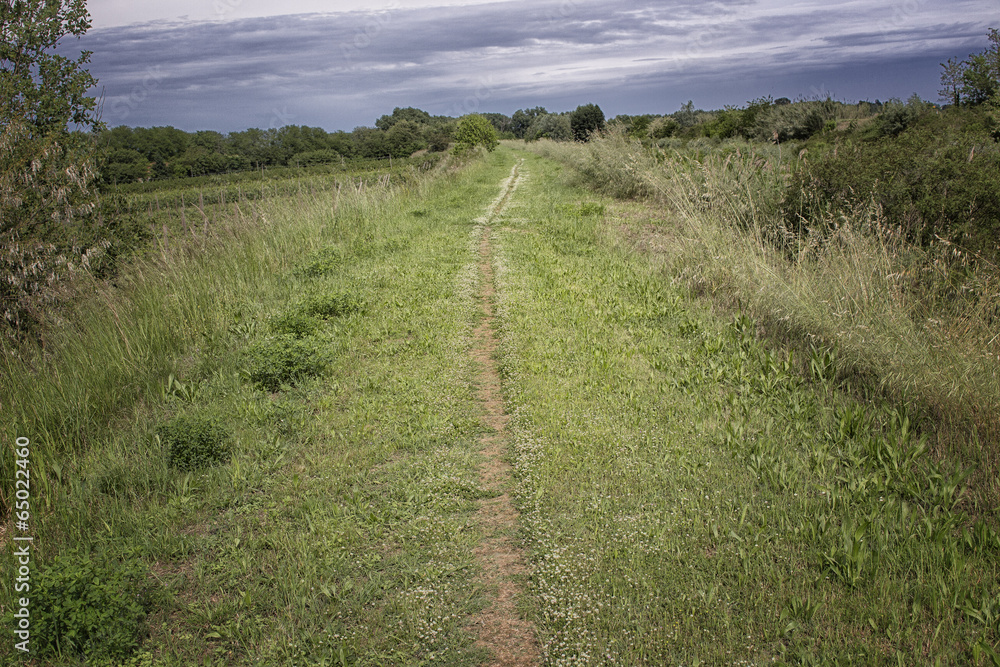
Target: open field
{"points": [[475, 417]]}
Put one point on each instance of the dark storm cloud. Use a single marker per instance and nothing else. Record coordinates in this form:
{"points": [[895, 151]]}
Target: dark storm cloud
{"points": [[345, 69]]}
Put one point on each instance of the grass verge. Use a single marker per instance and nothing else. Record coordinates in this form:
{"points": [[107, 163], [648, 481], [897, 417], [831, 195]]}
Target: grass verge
{"points": [[688, 496], [321, 516]]}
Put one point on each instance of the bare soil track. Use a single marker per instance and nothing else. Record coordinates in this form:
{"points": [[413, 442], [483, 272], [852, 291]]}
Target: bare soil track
{"points": [[509, 638]]}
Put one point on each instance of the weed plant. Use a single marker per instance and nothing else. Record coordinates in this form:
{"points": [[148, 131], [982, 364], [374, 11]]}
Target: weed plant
{"points": [[194, 441]]}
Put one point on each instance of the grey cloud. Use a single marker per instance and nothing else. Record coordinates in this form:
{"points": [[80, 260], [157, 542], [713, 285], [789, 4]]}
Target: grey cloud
{"points": [[345, 69]]}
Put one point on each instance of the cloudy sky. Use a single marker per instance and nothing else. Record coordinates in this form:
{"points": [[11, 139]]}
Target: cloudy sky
{"points": [[232, 64]]}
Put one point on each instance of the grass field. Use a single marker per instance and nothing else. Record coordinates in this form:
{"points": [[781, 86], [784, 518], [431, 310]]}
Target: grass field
{"points": [[283, 435]]}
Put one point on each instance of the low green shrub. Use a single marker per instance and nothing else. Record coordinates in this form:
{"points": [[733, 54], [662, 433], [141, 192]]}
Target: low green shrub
{"points": [[194, 441], [935, 178], [322, 263], [283, 360], [295, 323], [328, 306], [91, 608]]}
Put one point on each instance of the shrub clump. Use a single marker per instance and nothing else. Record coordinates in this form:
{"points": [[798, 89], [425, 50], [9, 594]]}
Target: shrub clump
{"points": [[295, 323], [90, 608], [194, 442], [284, 360], [936, 178], [325, 262], [327, 306]]}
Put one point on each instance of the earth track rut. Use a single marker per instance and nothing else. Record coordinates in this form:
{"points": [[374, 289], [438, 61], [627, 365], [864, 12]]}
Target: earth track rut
{"points": [[509, 638]]}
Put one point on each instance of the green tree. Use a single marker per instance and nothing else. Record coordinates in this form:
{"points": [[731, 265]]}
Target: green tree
{"points": [[587, 119], [951, 82], [404, 138], [522, 119], [979, 79], [474, 130], [46, 170], [550, 126], [411, 114]]}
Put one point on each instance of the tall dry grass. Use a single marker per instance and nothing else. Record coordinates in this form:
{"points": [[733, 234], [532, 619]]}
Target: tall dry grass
{"points": [[919, 325]]}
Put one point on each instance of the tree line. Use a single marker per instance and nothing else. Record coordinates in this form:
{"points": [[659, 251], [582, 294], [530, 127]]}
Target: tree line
{"points": [[137, 154], [133, 154]]}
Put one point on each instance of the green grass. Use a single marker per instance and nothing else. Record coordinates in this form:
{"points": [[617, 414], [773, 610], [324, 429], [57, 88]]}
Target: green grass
{"points": [[340, 529], [688, 494], [914, 324]]}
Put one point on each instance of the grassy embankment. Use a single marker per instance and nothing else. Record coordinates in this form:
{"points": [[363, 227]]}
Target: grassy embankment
{"points": [[915, 324], [687, 493], [317, 345], [691, 494]]}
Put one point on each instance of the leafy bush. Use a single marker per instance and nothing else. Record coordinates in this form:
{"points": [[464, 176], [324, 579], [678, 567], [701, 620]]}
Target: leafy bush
{"points": [[324, 262], [328, 306], [283, 360], [474, 130], [897, 116], [788, 122], [295, 323], [194, 442], [937, 178], [96, 609], [664, 128]]}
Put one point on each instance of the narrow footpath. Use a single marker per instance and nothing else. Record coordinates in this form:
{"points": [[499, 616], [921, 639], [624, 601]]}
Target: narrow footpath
{"points": [[510, 639]]}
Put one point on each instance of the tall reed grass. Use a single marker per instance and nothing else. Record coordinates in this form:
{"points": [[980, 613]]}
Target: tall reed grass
{"points": [[918, 325]]}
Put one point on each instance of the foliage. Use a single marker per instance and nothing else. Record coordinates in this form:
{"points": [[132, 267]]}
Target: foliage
{"points": [[404, 139], [327, 306], [310, 158], [52, 222], [408, 115], [897, 116], [663, 128], [474, 130], [194, 441], [168, 152], [94, 608], [936, 178], [586, 120], [550, 126], [46, 172], [732, 121], [295, 323], [796, 121], [974, 81], [522, 120], [284, 360]]}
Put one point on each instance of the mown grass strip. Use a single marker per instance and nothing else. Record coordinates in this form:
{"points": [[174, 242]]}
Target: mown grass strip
{"points": [[689, 496]]}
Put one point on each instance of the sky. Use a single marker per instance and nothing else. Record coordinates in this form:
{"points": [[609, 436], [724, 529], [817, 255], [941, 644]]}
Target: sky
{"points": [[228, 65]]}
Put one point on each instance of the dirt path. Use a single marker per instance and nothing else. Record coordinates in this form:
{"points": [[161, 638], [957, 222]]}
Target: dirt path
{"points": [[509, 638]]}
